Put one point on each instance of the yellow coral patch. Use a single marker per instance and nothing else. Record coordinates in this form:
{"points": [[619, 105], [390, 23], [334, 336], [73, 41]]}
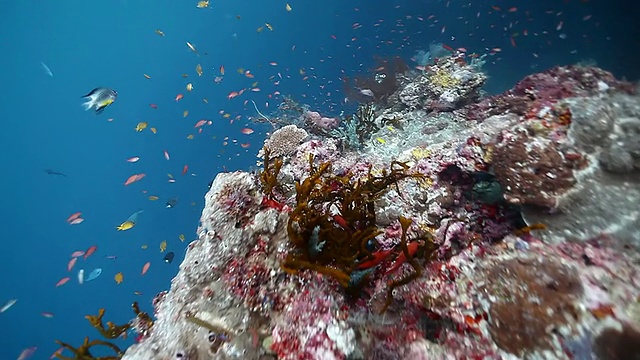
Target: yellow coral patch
{"points": [[420, 153]]}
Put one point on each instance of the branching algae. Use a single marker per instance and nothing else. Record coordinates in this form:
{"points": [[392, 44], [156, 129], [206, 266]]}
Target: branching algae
{"points": [[333, 225], [111, 331]]}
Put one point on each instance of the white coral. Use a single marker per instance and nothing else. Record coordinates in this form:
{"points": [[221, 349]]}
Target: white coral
{"points": [[284, 141], [343, 336]]}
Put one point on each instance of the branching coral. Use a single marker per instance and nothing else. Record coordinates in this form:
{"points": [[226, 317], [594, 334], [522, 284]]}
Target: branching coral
{"points": [[284, 141], [82, 353], [358, 128], [427, 250], [111, 331], [143, 322], [333, 225], [269, 175]]}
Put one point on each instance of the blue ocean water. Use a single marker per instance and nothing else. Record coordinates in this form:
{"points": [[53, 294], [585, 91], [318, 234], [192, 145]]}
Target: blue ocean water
{"points": [[88, 44]]}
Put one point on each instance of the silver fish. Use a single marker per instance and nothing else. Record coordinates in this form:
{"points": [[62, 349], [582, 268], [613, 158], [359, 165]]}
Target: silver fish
{"points": [[99, 99], [81, 276], [46, 69], [8, 305]]}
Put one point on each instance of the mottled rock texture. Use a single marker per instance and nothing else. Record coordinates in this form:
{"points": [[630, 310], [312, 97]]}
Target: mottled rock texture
{"points": [[467, 273]]}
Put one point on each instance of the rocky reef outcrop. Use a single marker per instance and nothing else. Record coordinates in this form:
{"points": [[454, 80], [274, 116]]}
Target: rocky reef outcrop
{"points": [[464, 227]]}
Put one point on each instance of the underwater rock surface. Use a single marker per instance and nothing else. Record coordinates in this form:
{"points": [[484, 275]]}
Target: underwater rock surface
{"points": [[494, 228]]}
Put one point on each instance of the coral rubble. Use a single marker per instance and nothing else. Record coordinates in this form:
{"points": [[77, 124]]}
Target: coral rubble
{"points": [[472, 228]]}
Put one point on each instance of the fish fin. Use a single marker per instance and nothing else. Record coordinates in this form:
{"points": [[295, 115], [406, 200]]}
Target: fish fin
{"points": [[88, 105], [91, 92], [100, 106]]}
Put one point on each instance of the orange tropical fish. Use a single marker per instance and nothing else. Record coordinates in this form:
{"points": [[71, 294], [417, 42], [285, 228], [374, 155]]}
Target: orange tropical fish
{"points": [[74, 216], [179, 96], [90, 251], [63, 281], [118, 278], [185, 169], [232, 95], [200, 123], [145, 268], [133, 159], [221, 69], [77, 253], [133, 178], [71, 263], [247, 131]]}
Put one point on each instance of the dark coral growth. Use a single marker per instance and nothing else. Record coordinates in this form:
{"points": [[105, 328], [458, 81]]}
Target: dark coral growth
{"points": [[356, 129], [534, 297], [382, 84], [269, 175], [612, 344], [333, 225], [428, 249], [142, 323], [491, 217]]}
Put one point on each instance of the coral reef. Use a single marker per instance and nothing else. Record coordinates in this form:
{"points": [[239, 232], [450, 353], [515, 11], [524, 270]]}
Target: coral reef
{"points": [[445, 85], [285, 140], [455, 227]]}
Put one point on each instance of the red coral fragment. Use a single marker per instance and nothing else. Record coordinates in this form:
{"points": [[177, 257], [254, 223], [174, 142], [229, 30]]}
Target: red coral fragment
{"points": [[272, 204]]}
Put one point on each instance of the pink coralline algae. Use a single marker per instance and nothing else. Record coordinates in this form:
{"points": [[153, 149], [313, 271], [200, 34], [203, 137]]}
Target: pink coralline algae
{"points": [[549, 86], [512, 235], [533, 172]]}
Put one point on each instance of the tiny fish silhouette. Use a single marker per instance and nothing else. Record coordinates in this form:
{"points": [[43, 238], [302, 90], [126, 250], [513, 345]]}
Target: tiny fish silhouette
{"points": [[53, 172]]}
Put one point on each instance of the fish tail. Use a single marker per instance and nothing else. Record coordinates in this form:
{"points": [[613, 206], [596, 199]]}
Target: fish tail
{"points": [[88, 104]]}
